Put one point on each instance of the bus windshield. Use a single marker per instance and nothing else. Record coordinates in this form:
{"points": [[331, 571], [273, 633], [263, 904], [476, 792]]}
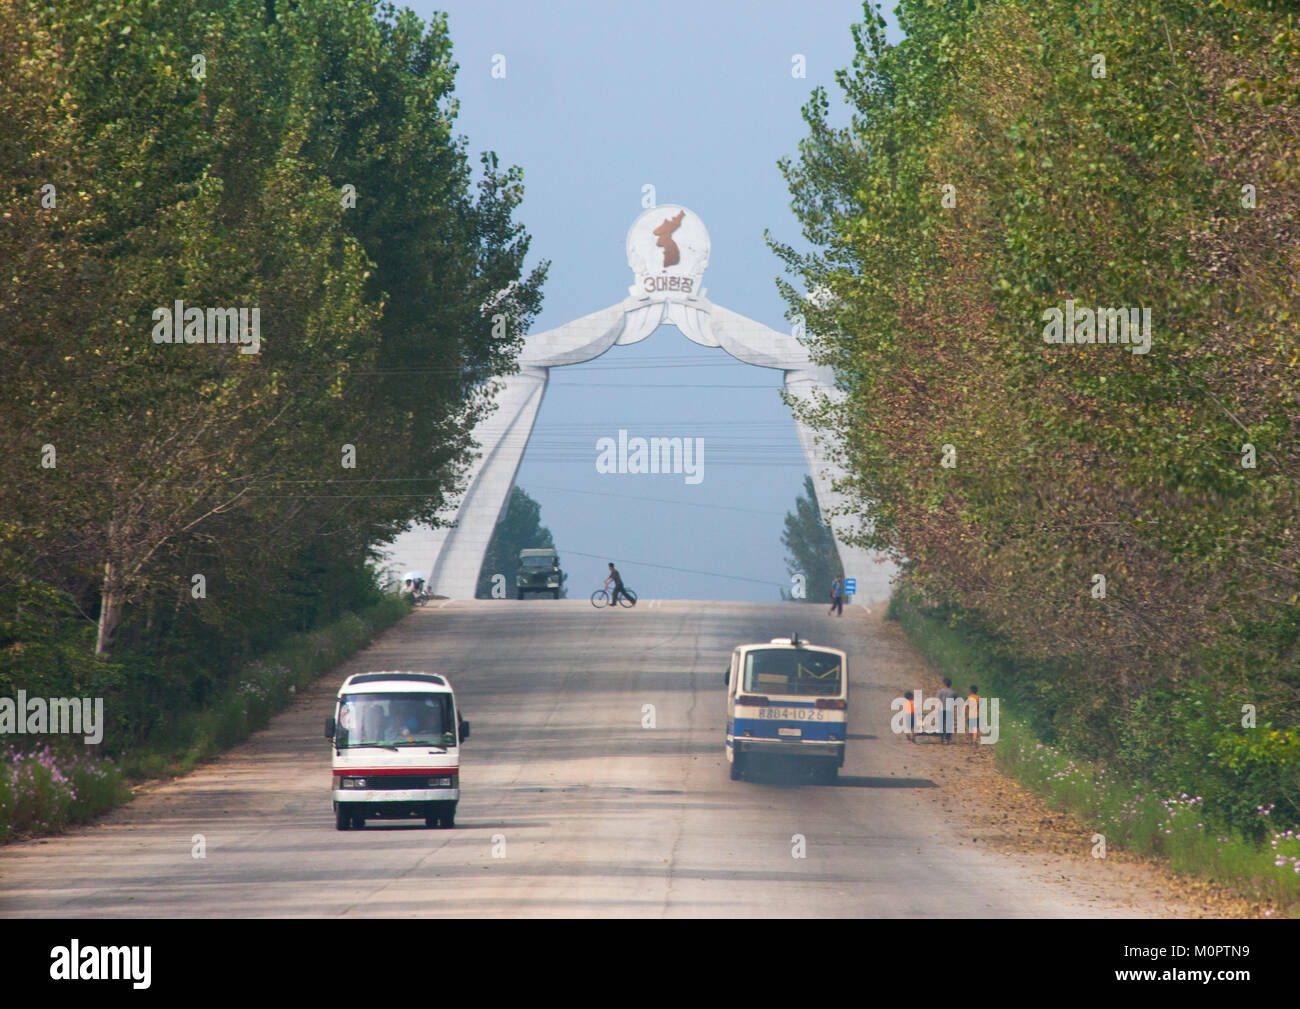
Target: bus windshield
{"points": [[796, 671], [405, 719]]}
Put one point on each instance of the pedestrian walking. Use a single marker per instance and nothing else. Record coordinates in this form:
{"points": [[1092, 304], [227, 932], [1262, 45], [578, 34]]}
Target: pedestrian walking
{"points": [[837, 596]]}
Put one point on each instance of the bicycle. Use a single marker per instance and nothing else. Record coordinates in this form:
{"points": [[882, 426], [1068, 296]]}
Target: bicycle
{"points": [[600, 598]]}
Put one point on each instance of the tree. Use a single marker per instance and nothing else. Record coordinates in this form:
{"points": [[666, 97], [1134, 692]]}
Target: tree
{"points": [[1125, 521], [813, 553], [519, 528], [310, 169], [300, 159]]}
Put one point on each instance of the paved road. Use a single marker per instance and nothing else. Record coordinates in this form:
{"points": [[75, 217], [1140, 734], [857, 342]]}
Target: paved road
{"points": [[599, 816]]}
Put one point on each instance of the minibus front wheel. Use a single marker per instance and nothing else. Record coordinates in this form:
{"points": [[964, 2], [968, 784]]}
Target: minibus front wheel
{"points": [[737, 764]]}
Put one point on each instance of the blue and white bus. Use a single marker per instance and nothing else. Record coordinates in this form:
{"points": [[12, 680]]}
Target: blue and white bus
{"points": [[788, 699]]}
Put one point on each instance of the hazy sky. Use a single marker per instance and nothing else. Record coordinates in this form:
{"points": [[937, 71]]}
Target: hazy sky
{"points": [[699, 100]]}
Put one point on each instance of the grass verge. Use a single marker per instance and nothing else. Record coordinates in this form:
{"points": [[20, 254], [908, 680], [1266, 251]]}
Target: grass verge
{"points": [[1121, 812], [44, 790]]}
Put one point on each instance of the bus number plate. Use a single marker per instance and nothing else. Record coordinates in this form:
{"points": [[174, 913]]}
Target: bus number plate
{"points": [[793, 714], [783, 731]]}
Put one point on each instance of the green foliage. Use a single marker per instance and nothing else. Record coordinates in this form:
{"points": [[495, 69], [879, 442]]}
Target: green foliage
{"points": [[42, 791], [180, 741], [1140, 798], [48, 787], [519, 528], [1122, 189], [131, 466], [46, 649], [813, 553], [381, 325]]}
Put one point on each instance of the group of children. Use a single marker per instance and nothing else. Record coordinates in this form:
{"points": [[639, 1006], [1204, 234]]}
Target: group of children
{"points": [[944, 695]]}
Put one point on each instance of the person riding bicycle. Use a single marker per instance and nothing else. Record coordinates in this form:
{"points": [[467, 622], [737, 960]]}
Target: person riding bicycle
{"points": [[617, 581]]}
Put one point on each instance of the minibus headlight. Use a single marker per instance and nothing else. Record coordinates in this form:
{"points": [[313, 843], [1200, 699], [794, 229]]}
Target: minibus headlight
{"points": [[352, 783], [443, 782]]}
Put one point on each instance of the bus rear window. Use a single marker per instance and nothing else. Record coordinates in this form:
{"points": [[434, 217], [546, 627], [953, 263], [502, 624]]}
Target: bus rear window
{"points": [[793, 671]]}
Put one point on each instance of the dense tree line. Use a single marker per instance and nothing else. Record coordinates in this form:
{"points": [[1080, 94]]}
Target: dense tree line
{"points": [[1125, 523], [813, 554], [170, 506]]}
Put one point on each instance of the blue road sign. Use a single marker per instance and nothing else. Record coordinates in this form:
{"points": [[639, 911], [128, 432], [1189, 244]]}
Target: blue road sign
{"points": [[850, 586]]}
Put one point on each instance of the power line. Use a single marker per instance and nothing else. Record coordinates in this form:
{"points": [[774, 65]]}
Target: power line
{"points": [[663, 385], [649, 362], [689, 571], [658, 500]]}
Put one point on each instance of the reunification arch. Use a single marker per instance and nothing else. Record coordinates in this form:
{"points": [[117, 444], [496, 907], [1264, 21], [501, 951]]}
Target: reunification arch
{"points": [[668, 250]]}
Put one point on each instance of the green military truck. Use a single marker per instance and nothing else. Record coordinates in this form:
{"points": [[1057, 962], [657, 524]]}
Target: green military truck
{"points": [[539, 573]]}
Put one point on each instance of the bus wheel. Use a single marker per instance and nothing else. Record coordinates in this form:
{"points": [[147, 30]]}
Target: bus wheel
{"points": [[448, 817], [828, 773], [737, 766], [358, 822], [342, 818]]}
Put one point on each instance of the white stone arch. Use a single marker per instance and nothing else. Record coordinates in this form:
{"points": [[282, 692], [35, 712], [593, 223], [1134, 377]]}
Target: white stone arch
{"points": [[667, 291]]}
